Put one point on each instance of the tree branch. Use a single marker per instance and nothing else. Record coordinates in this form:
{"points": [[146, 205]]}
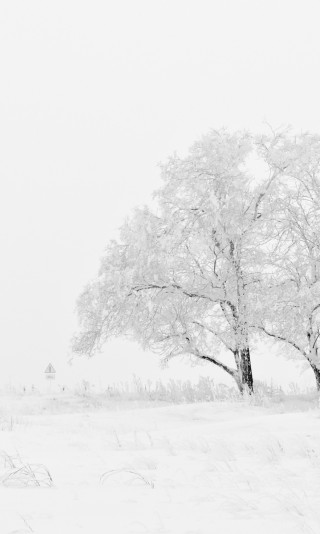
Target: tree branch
{"points": [[215, 334], [231, 372], [173, 286], [315, 308], [214, 360], [282, 338]]}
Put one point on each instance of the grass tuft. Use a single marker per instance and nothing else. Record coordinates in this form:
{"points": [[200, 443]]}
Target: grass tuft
{"points": [[22, 474], [131, 476]]}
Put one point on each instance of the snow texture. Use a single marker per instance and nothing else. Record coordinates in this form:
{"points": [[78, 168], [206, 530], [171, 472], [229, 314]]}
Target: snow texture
{"points": [[188, 469]]}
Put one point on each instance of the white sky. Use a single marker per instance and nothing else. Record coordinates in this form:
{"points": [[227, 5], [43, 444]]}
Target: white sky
{"points": [[92, 96]]}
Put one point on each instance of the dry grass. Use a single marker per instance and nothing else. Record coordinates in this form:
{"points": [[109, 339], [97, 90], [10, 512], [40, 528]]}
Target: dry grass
{"points": [[139, 394], [23, 474], [128, 475]]}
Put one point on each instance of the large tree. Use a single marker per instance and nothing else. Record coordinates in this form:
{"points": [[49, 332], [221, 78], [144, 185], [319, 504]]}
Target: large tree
{"points": [[290, 292], [182, 280]]}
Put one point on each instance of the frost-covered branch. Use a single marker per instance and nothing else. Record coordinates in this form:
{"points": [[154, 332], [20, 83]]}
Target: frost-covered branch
{"points": [[190, 294], [215, 333], [281, 338]]}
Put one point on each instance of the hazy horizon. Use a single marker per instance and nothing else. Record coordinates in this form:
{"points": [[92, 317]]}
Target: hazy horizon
{"points": [[93, 97]]}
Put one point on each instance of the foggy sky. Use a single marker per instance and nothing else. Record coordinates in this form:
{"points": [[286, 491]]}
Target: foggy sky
{"points": [[92, 96]]}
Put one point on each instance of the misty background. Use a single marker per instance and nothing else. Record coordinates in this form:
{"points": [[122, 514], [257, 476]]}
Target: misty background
{"points": [[93, 96]]}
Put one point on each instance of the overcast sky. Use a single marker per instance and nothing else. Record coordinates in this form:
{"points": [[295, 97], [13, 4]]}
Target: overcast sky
{"points": [[93, 95]]}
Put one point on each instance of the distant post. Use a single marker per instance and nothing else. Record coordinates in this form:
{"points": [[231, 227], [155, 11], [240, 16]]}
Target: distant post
{"points": [[50, 372]]}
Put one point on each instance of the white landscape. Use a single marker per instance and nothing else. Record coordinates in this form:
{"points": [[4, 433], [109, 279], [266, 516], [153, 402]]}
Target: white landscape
{"points": [[160, 267], [148, 467]]}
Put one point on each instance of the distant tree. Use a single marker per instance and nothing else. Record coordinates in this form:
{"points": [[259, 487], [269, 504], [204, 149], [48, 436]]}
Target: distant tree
{"points": [[182, 280], [290, 293]]}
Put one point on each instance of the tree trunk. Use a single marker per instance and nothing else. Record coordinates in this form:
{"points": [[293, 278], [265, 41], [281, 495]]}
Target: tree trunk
{"points": [[246, 371], [317, 376]]}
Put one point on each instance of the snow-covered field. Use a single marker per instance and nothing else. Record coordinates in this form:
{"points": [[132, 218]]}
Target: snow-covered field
{"points": [[143, 468]]}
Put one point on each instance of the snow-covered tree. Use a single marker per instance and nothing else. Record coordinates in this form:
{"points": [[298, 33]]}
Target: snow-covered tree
{"points": [[182, 280], [290, 293]]}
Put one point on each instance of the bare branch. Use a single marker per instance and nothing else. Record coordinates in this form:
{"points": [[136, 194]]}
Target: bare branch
{"points": [[282, 338], [215, 334], [173, 286], [214, 360]]}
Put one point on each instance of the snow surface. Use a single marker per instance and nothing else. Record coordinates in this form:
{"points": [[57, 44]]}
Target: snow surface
{"points": [[187, 469]]}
